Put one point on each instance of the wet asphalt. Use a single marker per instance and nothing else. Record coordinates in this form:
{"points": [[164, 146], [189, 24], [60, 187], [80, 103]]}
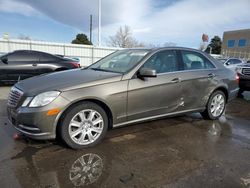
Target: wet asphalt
{"points": [[184, 151]]}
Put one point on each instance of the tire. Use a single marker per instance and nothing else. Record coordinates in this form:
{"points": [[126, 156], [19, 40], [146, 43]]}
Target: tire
{"points": [[83, 125], [211, 114]]}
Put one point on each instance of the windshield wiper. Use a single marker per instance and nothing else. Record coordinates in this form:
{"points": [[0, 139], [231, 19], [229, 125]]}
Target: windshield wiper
{"points": [[97, 69], [104, 70]]}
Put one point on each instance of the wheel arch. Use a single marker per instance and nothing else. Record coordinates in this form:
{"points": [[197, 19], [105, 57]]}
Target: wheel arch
{"points": [[96, 101], [223, 89]]}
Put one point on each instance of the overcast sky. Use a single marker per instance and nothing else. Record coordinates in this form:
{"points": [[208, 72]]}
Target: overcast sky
{"points": [[152, 21]]}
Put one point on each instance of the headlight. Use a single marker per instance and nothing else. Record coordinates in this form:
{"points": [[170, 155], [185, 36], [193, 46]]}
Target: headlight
{"points": [[27, 101], [44, 98]]}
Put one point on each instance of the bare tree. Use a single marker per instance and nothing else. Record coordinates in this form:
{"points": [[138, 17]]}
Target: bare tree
{"points": [[24, 37], [169, 44], [124, 39]]}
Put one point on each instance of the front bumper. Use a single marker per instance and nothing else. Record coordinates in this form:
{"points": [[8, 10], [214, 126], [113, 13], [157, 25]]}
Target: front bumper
{"points": [[34, 122]]}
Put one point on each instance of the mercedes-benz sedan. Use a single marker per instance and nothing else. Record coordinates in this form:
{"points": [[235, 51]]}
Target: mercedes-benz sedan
{"points": [[128, 86]]}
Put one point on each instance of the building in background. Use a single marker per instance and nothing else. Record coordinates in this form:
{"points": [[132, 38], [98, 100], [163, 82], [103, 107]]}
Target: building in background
{"points": [[236, 44]]}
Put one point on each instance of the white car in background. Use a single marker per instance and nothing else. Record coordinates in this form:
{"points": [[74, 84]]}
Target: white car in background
{"points": [[231, 63]]}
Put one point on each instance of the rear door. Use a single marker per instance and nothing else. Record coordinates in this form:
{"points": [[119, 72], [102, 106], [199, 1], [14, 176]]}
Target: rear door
{"points": [[21, 65], [47, 63], [159, 95], [198, 79]]}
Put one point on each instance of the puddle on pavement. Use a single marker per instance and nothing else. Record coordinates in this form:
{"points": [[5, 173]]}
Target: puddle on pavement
{"points": [[86, 169]]}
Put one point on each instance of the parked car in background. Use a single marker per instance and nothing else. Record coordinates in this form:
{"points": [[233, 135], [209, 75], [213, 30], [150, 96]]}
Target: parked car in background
{"points": [[67, 57], [243, 71], [128, 86], [231, 63], [22, 64]]}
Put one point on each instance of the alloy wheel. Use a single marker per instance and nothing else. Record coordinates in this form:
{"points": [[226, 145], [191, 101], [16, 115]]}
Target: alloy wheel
{"points": [[86, 127], [217, 105]]}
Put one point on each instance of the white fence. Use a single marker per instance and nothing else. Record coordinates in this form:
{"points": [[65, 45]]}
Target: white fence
{"points": [[236, 54], [87, 54]]}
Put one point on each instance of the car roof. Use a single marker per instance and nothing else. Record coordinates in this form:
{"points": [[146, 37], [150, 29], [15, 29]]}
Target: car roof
{"points": [[30, 51], [153, 49]]}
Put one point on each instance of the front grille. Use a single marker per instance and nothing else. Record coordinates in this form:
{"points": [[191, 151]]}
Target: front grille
{"points": [[246, 71], [14, 97]]}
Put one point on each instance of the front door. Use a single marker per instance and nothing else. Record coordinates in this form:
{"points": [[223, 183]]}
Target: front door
{"points": [[156, 96]]}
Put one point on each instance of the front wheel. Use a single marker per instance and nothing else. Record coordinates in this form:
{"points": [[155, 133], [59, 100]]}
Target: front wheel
{"points": [[84, 125], [215, 106]]}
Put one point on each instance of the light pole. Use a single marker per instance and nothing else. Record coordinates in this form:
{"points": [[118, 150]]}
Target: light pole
{"points": [[210, 49], [90, 28], [99, 21]]}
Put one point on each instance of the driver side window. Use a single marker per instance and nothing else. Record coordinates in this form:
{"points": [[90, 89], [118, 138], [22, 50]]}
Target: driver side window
{"points": [[162, 62]]}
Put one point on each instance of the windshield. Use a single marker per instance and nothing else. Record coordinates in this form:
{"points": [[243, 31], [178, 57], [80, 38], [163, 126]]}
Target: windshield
{"points": [[120, 61]]}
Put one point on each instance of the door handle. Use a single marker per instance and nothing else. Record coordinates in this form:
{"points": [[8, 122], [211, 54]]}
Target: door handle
{"points": [[176, 80], [211, 75], [34, 65]]}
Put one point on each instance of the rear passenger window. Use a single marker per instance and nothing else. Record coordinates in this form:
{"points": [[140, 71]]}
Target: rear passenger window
{"points": [[47, 57], [22, 56], [163, 62], [194, 60]]}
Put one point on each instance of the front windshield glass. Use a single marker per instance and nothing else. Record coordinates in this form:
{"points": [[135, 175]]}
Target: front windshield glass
{"points": [[120, 61]]}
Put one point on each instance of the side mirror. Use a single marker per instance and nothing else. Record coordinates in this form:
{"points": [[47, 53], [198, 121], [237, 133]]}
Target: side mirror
{"points": [[146, 73], [227, 63], [4, 59]]}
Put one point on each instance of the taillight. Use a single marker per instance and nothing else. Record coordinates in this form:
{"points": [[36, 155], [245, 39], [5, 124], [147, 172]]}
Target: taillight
{"points": [[75, 64], [237, 78]]}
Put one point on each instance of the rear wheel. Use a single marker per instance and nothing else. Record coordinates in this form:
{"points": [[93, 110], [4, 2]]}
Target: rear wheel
{"points": [[215, 106], [84, 125]]}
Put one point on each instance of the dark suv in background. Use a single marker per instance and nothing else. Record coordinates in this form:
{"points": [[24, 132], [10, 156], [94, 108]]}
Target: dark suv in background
{"points": [[243, 72], [22, 64]]}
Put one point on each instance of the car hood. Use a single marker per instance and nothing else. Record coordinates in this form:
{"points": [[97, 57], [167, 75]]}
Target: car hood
{"points": [[66, 80]]}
